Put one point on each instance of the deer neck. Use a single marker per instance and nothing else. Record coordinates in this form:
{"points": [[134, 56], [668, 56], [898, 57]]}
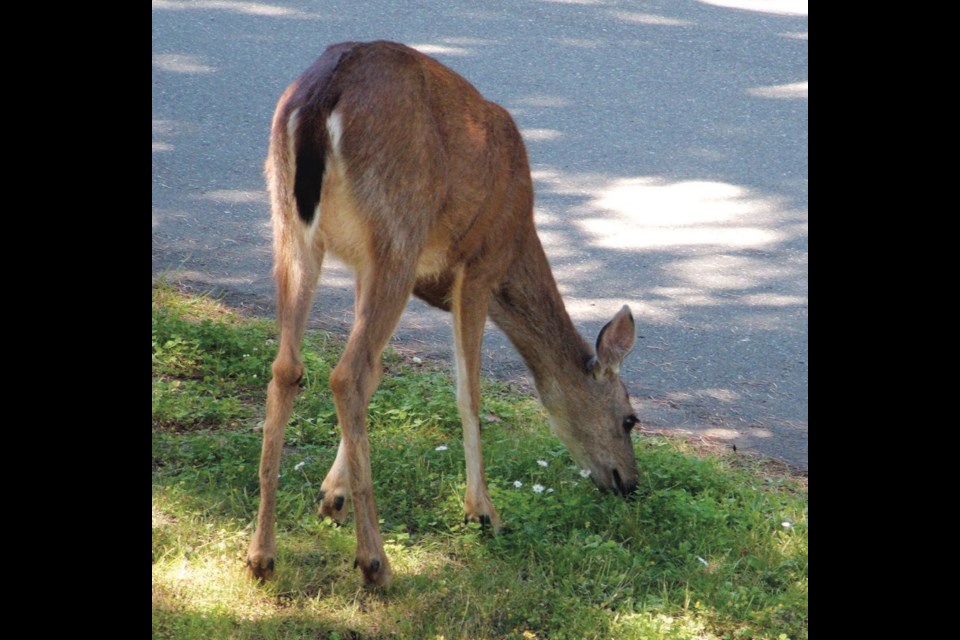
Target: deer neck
{"points": [[528, 308]]}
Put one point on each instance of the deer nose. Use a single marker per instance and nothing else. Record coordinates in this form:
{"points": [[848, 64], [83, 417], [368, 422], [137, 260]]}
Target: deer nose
{"points": [[621, 489]]}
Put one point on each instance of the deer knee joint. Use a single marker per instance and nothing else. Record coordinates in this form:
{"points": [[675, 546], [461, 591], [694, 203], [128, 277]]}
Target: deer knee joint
{"points": [[343, 382], [287, 373]]}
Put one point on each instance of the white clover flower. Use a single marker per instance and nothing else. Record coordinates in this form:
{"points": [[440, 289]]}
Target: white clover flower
{"points": [[538, 488], [442, 447], [542, 463], [584, 473], [299, 465], [517, 484]]}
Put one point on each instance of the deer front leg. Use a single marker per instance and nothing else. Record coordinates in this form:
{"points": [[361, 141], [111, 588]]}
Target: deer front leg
{"points": [[469, 310]]}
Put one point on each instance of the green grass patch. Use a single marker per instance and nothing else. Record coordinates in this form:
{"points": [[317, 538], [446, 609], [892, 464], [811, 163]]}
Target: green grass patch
{"points": [[714, 545]]}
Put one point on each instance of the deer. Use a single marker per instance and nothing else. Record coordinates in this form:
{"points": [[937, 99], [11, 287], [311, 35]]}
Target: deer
{"points": [[397, 165]]}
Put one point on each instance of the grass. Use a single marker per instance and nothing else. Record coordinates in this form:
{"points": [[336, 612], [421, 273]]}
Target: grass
{"points": [[714, 546]]}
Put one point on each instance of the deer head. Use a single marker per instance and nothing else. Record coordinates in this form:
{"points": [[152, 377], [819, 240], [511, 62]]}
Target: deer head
{"points": [[590, 410]]}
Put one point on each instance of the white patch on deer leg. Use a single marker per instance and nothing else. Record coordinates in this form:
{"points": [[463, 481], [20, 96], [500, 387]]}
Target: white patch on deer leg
{"points": [[471, 427], [339, 473], [336, 488]]}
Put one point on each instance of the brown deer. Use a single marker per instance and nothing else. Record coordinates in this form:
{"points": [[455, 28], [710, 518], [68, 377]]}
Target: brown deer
{"points": [[397, 165]]}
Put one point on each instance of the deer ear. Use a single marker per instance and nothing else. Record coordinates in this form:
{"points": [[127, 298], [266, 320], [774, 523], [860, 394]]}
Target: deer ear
{"points": [[615, 341]]}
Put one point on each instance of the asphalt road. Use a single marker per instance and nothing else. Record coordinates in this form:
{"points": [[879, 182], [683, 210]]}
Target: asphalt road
{"points": [[668, 142]]}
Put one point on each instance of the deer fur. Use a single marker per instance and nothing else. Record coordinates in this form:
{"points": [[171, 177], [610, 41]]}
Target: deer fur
{"points": [[397, 165]]}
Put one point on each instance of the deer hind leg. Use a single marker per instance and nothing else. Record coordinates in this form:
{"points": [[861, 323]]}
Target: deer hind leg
{"points": [[469, 309], [297, 268], [335, 491], [384, 292]]}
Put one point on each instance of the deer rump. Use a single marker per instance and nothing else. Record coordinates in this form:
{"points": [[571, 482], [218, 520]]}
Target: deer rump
{"points": [[458, 169]]}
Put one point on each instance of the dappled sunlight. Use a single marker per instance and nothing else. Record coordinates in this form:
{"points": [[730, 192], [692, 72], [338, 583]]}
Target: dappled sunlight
{"points": [[674, 204], [711, 241], [543, 100], [778, 7], [772, 300], [650, 19], [450, 46], [439, 49], [163, 127], [647, 213], [556, 240], [248, 8], [792, 90], [235, 196], [540, 135], [601, 309], [685, 296], [467, 41], [172, 217], [580, 43], [211, 280], [210, 584], [723, 395], [647, 624], [418, 559], [725, 272], [181, 63]]}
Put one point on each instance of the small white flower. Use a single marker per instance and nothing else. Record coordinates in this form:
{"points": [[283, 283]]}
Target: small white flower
{"points": [[786, 524], [542, 463], [517, 484], [584, 473], [704, 562], [538, 488], [442, 447], [417, 360], [299, 465]]}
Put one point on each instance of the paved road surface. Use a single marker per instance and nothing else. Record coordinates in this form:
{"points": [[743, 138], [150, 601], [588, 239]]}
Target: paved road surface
{"points": [[668, 141]]}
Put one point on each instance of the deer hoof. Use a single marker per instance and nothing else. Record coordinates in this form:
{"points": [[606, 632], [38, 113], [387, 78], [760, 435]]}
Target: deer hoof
{"points": [[491, 521], [260, 567], [375, 573], [333, 506]]}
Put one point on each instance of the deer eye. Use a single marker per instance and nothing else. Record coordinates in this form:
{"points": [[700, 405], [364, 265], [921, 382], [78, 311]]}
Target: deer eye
{"points": [[629, 422]]}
